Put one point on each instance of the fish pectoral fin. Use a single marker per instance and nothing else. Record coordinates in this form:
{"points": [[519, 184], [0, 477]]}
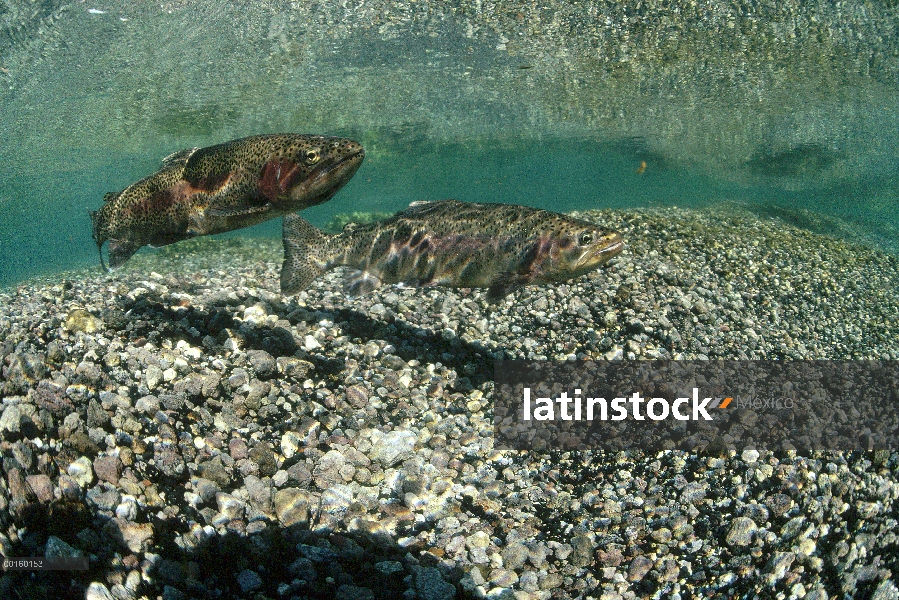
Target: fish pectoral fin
{"points": [[120, 251], [504, 285], [235, 210], [359, 283]]}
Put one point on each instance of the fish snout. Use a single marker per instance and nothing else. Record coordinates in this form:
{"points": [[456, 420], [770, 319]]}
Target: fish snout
{"points": [[603, 249], [612, 245]]}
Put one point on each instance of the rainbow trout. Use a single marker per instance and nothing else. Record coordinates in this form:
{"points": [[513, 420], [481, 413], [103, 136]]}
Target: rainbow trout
{"points": [[501, 247], [200, 191]]}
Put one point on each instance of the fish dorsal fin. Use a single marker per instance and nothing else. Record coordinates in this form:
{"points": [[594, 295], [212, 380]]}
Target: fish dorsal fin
{"points": [[110, 196], [420, 203], [180, 156], [420, 206]]}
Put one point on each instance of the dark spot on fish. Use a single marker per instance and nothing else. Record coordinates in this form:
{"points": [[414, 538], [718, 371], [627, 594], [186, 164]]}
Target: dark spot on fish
{"points": [[212, 182], [402, 233]]}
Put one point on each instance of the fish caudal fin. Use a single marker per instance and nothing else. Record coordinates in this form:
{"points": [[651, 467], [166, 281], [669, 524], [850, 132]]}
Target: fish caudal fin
{"points": [[303, 254]]}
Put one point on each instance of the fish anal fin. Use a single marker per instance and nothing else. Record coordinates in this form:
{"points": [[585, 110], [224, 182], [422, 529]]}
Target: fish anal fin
{"points": [[120, 251], [359, 283]]}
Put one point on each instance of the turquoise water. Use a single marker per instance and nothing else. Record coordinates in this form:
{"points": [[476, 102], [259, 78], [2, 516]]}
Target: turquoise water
{"points": [[792, 115]]}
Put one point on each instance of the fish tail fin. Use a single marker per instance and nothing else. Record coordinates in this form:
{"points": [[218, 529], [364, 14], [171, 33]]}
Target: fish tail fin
{"points": [[305, 254], [97, 235]]}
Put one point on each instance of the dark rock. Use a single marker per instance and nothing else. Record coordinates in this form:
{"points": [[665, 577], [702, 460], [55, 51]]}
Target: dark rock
{"points": [[638, 568], [249, 581], [352, 592], [237, 448], [190, 386], [96, 416], [211, 385], [238, 378], [357, 396], [303, 568], [778, 504], [214, 470], [263, 455], [173, 401], [584, 546], [206, 489], [19, 493], [262, 362], [25, 369], [80, 442], [41, 486], [52, 398], [103, 499], [430, 585], [300, 474], [108, 468], [56, 353], [23, 455]]}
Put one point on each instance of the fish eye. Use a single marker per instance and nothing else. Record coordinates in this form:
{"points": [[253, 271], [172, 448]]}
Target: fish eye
{"points": [[586, 239], [312, 156]]}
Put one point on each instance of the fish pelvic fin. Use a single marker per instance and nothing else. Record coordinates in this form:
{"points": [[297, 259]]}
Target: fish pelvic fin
{"points": [[95, 233], [359, 283], [305, 249], [120, 251], [504, 285]]}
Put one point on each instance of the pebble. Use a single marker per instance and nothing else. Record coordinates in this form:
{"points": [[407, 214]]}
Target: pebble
{"points": [[10, 420], [741, 532], [249, 581], [394, 447], [292, 506], [430, 585], [98, 591], [81, 470]]}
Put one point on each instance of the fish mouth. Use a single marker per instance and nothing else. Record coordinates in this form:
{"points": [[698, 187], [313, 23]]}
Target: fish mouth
{"points": [[602, 253], [327, 179]]}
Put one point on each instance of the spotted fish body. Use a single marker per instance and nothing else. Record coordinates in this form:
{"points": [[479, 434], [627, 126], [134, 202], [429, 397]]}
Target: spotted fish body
{"points": [[449, 243], [201, 191]]}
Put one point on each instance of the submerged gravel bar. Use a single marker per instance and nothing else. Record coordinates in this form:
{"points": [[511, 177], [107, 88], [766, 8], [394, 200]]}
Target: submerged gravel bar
{"points": [[197, 435]]}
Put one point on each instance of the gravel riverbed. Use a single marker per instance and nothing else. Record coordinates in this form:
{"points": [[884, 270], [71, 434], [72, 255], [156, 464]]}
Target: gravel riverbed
{"points": [[197, 435]]}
